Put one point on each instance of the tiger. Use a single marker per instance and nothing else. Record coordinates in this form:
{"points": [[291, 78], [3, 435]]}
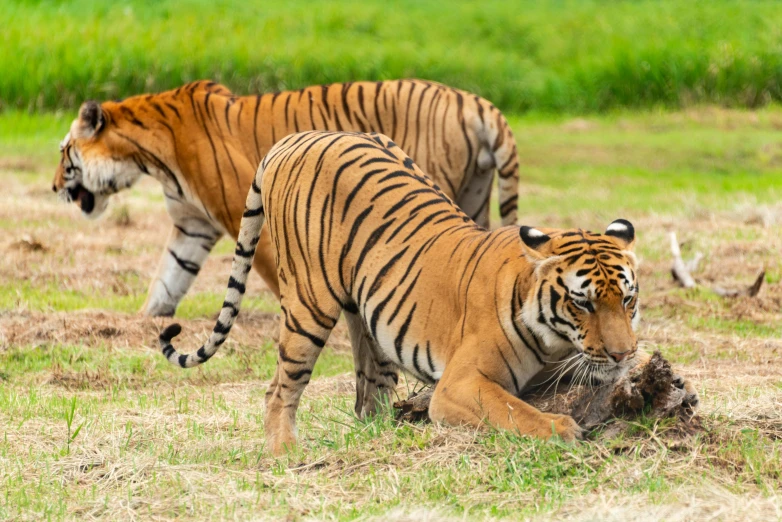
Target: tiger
{"points": [[358, 229], [203, 144]]}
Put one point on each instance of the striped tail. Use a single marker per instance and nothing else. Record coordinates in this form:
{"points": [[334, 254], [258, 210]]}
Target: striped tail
{"points": [[249, 234]]}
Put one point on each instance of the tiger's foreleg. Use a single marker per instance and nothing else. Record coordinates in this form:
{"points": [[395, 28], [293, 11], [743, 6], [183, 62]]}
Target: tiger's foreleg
{"points": [[468, 395], [188, 247], [376, 376]]}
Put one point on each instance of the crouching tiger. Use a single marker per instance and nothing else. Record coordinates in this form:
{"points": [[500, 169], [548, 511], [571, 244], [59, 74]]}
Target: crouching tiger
{"points": [[358, 228]]}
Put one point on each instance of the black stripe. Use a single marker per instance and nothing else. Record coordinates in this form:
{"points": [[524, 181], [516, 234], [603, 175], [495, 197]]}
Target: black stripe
{"points": [[429, 357], [253, 212], [515, 312], [357, 188], [241, 252], [400, 337], [155, 160], [374, 237], [297, 375], [297, 329], [404, 297], [285, 357], [232, 307], [510, 371], [221, 328], [233, 283], [187, 266], [173, 108]]}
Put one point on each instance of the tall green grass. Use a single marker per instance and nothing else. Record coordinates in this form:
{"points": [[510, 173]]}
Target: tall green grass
{"points": [[552, 56]]}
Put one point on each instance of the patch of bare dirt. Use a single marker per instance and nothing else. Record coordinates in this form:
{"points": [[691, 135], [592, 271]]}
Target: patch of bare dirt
{"points": [[21, 164], [579, 125], [100, 328], [27, 244], [94, 327]]}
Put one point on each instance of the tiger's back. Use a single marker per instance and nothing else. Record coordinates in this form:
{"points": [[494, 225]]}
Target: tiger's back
{"points": [[458, 138], [374, 242]]}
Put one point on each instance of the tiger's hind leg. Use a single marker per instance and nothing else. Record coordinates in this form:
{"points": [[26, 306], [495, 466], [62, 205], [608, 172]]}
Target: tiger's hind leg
{"points": [[302, 337], [376, 375], [474, 198], [264, 262]]}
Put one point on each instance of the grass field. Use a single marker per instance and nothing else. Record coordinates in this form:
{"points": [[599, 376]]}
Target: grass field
{"points": [[553, 56], [95, 424]]}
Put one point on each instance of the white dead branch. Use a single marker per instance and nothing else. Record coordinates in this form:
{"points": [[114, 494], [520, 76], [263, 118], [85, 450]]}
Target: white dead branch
{"points": [[682, 273]]}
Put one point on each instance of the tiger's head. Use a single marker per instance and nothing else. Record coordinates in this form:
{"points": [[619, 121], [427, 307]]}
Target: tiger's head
{"points": [[585, 293], [96, 160]]}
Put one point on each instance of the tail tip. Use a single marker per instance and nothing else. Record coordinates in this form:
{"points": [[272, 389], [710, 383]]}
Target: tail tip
{"points": [[170, 332]]}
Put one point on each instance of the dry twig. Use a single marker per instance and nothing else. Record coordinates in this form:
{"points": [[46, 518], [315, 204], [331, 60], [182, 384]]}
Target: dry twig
{"points": [[682, 273]]}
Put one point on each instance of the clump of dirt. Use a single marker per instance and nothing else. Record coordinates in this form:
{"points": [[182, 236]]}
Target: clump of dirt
{"points": [[28, 244], [652, 389], [120, 216], [652, 385], [82, 380]]}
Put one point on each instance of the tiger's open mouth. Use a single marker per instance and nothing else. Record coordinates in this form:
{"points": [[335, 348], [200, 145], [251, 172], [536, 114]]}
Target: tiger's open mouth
{"points": [[84, 197]]}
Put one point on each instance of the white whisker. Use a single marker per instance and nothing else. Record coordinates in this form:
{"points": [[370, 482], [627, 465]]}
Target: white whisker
{"points": [[558, 366], [576, 363]]}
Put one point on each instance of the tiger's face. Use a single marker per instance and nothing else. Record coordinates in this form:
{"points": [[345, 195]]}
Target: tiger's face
{"points": [[585, 294], [95, 161]]}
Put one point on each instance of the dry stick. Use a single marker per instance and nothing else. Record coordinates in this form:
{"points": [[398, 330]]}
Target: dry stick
{"points": [[682, 273], [752, 291]]}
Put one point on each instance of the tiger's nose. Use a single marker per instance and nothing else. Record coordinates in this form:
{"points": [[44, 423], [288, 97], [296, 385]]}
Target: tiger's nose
{"points": [[620, 356], [54, 188]]}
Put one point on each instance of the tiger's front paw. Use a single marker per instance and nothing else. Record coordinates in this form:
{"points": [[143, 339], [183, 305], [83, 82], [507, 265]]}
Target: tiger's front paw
{"points": [[691, 398], [566, 427]]}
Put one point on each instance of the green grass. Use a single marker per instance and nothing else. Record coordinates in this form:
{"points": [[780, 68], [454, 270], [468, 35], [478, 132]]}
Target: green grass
{"points": [[682, 353], [553, 56], [53, 297], [33, 136], [740, 327], [99, 366], [648, 163]]}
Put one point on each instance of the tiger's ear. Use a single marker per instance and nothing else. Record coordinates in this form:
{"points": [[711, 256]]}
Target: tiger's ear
{"points": [[624, 231], [91, 119], [536, 244]]}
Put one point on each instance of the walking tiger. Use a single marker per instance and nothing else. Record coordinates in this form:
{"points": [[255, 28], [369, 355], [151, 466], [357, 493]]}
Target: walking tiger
{"points": [[203, 144]]}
